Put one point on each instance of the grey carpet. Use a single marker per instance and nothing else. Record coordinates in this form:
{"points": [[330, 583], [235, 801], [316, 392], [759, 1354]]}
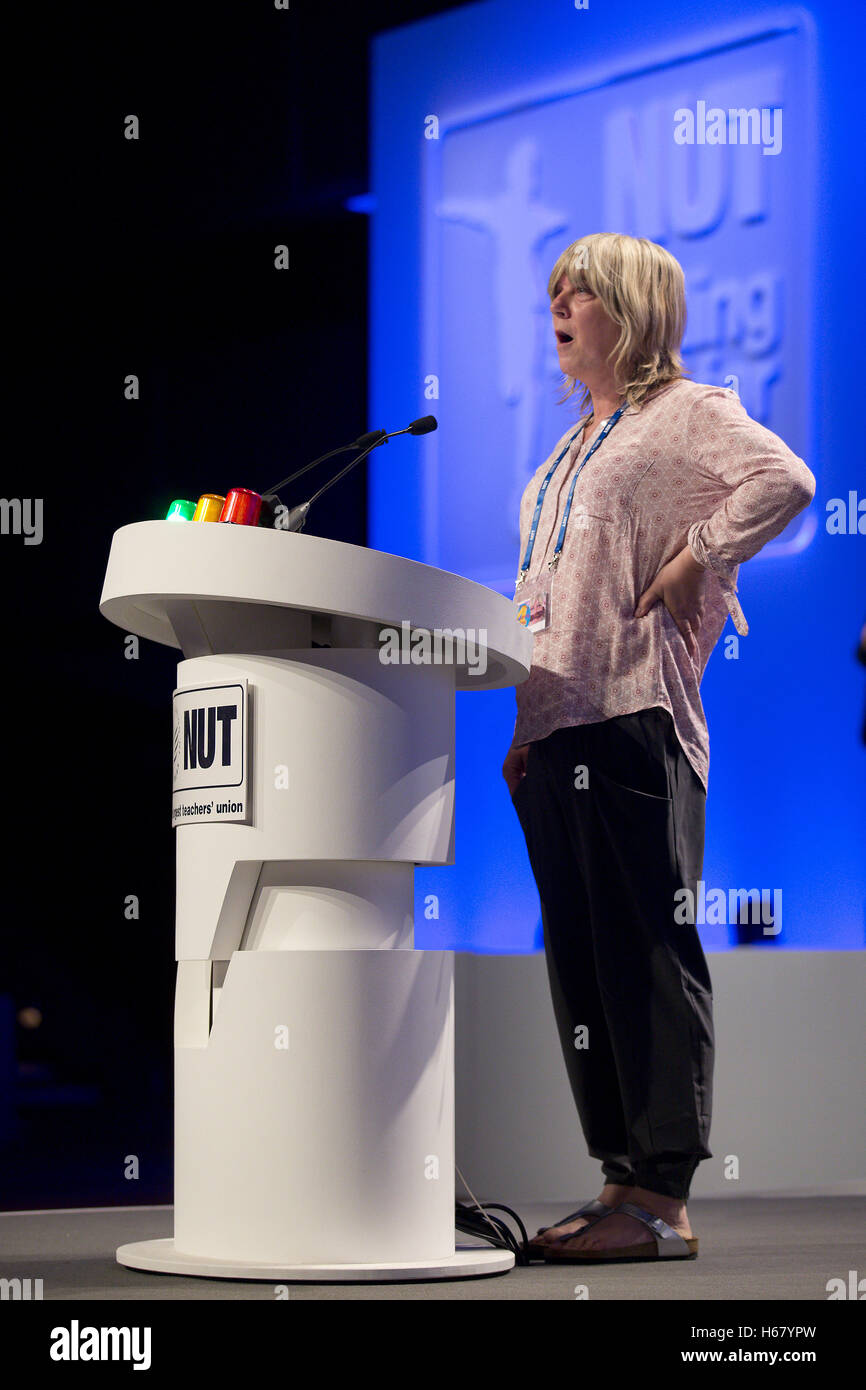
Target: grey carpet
{"points": [[771, 1248]]}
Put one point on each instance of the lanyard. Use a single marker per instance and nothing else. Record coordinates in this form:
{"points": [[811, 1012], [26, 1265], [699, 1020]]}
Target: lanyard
{"points": [[530, 544]]}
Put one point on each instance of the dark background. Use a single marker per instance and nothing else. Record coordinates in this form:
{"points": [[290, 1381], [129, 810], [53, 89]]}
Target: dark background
{"points": [[152, 257]]}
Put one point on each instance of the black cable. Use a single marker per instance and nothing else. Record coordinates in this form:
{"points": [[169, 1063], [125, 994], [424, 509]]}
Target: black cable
{"points": [[473, 1222], [497, 1206]]}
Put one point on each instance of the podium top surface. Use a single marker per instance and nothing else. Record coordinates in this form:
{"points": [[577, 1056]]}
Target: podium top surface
{"points": [[163, 575]]}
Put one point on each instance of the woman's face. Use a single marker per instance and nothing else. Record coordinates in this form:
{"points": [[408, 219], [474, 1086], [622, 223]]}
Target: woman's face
{"points": [[585, 335]]}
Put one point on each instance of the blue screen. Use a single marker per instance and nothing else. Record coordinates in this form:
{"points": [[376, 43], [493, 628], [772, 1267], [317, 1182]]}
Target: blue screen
{"points": [[501, 134]]}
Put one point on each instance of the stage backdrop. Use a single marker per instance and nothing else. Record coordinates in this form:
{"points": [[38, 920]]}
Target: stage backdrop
{"points": [[501, 133]]}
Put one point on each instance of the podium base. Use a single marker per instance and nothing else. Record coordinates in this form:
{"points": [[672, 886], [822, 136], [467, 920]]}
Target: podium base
{"points": [[160, 1257]]}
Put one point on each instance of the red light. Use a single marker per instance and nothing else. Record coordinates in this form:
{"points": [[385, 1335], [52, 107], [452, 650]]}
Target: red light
{"points": [[241, 507]]}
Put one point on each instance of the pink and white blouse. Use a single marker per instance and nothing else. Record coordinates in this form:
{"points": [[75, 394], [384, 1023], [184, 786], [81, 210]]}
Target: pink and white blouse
{"points": [[689, 466]]}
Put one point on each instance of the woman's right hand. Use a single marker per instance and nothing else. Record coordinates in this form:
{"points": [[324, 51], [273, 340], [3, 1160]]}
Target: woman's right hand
{"points": [[514, 767]]}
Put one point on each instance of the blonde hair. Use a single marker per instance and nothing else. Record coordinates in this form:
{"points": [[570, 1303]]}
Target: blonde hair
{"points": [[642, 288]]}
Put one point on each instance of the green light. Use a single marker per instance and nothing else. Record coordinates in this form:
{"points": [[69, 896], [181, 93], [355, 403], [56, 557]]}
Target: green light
{"points": [[180, 510]]}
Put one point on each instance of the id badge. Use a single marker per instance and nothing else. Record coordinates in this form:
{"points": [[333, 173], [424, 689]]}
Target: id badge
{"points": [[532, 602]]}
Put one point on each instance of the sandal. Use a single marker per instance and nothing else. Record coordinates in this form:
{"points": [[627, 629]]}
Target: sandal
{"points": [[669, 1244], [535, 1248]]}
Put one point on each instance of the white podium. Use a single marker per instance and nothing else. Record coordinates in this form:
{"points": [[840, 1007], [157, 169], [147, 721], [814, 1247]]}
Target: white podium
{"points": [[314, 1046]]}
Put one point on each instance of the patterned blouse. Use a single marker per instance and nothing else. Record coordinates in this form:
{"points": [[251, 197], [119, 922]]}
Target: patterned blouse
{"points": [[689, 466]]}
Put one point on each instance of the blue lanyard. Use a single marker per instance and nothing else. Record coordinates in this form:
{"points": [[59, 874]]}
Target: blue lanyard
{"points": [[530, 544]]}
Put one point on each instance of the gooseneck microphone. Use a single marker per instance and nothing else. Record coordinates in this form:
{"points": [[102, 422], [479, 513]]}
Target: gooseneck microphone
{"points": [[365, 441], [295, 517]]}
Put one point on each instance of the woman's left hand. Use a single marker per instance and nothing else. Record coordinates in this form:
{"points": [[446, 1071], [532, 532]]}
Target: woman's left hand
{"points": [[679, 585]]}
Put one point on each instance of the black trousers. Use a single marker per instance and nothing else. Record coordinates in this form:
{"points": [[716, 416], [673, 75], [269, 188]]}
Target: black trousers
{"points": [[613, 814]]}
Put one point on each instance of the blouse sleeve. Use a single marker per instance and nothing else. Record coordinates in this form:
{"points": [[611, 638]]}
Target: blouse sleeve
{"points": [[759, 484]]}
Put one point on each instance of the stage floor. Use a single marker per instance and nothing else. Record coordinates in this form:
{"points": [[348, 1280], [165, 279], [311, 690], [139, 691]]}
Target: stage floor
{"points": [[762, 1248]]}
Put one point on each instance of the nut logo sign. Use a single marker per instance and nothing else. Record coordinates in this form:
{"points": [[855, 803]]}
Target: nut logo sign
{"points": [[210, 754]]}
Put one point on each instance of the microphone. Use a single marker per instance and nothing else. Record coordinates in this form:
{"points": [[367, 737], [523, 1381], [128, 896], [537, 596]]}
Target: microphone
{"points": [[365, 441], [296, 516], [425, 425]]}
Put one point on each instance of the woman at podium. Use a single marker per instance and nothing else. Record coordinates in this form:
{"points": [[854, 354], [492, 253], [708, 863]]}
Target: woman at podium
{"points": [[631, 535]]}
